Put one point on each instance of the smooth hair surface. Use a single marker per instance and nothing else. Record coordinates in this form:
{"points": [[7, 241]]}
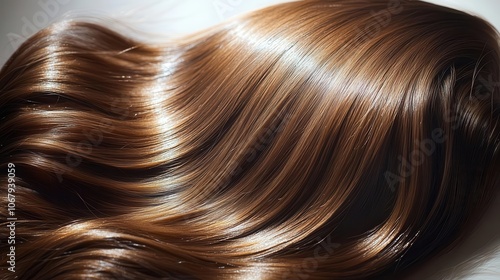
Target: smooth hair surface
{"points": [[319, 139]]}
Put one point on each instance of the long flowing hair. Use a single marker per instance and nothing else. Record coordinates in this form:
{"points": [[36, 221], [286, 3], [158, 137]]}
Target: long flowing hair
{"points": [[319, 139]]}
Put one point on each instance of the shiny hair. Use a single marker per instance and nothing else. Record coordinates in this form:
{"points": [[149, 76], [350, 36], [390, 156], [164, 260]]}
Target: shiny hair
{"points": [[316, 139]]}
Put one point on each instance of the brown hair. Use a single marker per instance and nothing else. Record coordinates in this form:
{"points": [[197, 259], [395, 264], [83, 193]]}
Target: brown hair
{"points": [[315, 139]]}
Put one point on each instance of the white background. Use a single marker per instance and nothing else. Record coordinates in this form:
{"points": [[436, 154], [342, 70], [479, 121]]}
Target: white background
{"points": [[21, 19]]}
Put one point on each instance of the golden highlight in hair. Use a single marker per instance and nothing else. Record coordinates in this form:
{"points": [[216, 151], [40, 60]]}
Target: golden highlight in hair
{"points": [[320, 139]]}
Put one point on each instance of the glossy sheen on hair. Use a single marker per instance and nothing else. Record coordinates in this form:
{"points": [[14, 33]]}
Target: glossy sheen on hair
{"points": [[309, 140]]}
